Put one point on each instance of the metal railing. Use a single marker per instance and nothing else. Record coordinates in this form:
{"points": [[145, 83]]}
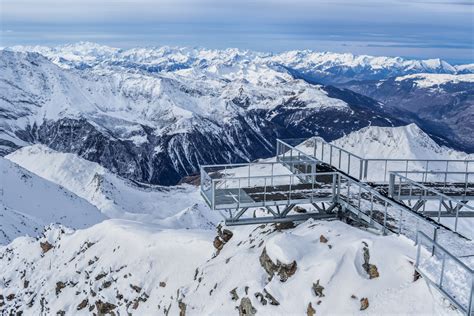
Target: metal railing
{"points": [[375, 169], [229, 170], [347, 190], [223, 171], [446, 272], [381, 211], [435, 204], [281, 189], [334, 156], [288, 152], [226, 191], [459, 184]]}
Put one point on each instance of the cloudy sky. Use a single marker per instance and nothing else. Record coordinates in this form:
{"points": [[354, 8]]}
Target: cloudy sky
{"points": [[410, 28]]}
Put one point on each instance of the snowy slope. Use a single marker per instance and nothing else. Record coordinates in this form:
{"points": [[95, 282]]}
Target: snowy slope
{"points": [[407, 142], [29, 202], [157, 127], [102, 263], [337, 265], [144, 270], [114, 196], [435, 80], [442, 104], [147, 98], [165, 262]]}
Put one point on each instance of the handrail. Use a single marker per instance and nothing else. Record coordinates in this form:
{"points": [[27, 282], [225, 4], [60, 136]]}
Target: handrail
{"points": [[388, 159], [363, 185], [463, 264], [298, 150], [367, 163], [425, 188], [418, 159], [459, 205], [244, 164], [387, 200], [468, 306], [436, 171], [278, 175]]}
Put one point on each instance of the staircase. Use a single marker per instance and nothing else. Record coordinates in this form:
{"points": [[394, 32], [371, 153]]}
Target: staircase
{"points": [[336, 183]]}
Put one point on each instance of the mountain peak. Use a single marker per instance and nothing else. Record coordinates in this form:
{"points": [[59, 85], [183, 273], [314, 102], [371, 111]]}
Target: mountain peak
{"points": [[403, 142], [326, 67]]}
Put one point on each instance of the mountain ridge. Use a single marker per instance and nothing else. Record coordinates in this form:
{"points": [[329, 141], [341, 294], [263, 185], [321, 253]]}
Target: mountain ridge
{"points": [[29, 202], [325, 67], [157, 128], [131, 266]]}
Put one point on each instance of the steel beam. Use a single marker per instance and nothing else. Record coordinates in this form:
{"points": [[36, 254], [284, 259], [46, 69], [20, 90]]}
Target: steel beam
{"points": [[447, 214], [271, 219]]}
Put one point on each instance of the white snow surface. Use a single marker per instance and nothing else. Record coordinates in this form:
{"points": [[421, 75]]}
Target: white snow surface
{"points": [[165, 87], [433, 80], [157, 251], [168, 58], [178, 206], [403, 142], [126, 259], [121, 98], [29, 202]]}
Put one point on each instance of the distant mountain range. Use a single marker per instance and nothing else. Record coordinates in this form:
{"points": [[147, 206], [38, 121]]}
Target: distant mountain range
{"points": [[442, 104], [153, 115], [88, 132], [324, 67]]}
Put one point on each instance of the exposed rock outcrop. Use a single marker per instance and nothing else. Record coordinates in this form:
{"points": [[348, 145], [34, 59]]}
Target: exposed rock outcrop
{"points": [[104, 308], [284, 271], [318, 289], [364, 303], [234, 295], [182, 308], [371, 269], [45, 246], [223, 236], [59, 286], [310, 311], [246, 308], [82, 304]]}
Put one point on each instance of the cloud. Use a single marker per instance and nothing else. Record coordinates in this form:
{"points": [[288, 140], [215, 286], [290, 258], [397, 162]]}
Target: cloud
{"points": [[419, 25]]}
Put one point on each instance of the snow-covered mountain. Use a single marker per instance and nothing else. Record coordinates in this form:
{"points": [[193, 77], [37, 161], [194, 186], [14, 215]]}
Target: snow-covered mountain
{"points": [[158, 127], [442, 103], [29, 202], [153, 115], [178, 206], [404, 142], [436, 80], [164, 261], [335, 68], [324, 67], [88, 131], [125, 267]]}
